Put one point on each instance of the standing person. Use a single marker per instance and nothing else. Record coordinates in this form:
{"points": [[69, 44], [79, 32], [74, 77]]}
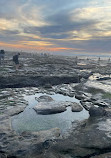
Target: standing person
{"points": [[2, 53], [0, 57], [16, 61], [76, 60]]}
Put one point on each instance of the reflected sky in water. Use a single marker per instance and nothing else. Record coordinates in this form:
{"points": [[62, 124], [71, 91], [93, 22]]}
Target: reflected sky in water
{"points": [[29, 120]]}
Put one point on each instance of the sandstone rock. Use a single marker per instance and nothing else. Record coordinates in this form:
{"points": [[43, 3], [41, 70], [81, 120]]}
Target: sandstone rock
{"points": [[47, 134], [76, 107], [46, 108], [44, 98], [15, 110]]}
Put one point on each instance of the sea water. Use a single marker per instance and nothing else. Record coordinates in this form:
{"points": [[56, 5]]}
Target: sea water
{"points": [[29, 120]]}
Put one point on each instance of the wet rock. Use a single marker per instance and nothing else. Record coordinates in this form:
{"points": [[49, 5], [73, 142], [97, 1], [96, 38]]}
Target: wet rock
{"points": [[105, 155], [86, 105], [2, 155], [15, 110], [47, 86], [80, 97], [85, 140], [108, 112], [96, 97], [44, 98], [101, 103], [47, 134], [4, 96], [97, 112], [83, 96], [65, 90], [103, 78], [43, 72], [71, 94], [88, 138], [46, 108], [36, 81], [27, 144], [5, 123], [76, 107]]}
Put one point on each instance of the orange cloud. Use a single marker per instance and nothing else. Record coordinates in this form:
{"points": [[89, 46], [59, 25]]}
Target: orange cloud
{"points": [[62, 48], [19, 47]]}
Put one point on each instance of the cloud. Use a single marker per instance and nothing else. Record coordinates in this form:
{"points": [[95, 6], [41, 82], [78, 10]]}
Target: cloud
{"points": [[82, 24], [60, 26], [10, 32]]}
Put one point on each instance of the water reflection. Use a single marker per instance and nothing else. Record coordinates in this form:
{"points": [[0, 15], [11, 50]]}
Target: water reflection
{"points": [[29, 120]]}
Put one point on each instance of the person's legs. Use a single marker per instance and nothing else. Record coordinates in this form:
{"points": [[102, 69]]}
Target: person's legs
{"points": [[3, 59], [17, 66]]}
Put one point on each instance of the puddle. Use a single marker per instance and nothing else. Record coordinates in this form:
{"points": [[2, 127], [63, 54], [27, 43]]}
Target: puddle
{"points": [[29, 120]]}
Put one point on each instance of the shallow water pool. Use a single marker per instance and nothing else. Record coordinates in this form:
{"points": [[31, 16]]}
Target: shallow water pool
{"points": [[29, 120]]}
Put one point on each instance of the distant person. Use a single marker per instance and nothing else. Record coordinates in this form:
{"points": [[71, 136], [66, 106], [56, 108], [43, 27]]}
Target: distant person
{"points": [[99, 60], [87, 58], [109, 60], [76, 60], [2, 54], [16, 61]]}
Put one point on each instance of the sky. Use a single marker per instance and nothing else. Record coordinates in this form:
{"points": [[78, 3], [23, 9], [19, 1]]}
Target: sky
{"points": [[61, 26]]}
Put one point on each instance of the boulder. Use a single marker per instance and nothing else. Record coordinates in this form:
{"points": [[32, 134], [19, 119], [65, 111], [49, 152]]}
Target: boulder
{"points": [[97, 111], [46, 108], [44, 98], [76, 107]]}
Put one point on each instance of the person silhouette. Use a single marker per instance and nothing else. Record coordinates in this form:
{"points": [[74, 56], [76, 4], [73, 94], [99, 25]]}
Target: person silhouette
{"points": [[2, 54], [16, 61]]}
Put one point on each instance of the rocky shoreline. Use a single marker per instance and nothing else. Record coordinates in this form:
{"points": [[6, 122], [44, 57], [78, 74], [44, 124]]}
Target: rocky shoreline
{"points": [[90, 138]]}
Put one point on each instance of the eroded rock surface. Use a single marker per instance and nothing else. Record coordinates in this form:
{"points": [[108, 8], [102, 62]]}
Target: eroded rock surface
{"points": [[86, 140], [40, 71], [97, 112], [76, 107], [91, 138], [44, 98], [50, 108]]}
